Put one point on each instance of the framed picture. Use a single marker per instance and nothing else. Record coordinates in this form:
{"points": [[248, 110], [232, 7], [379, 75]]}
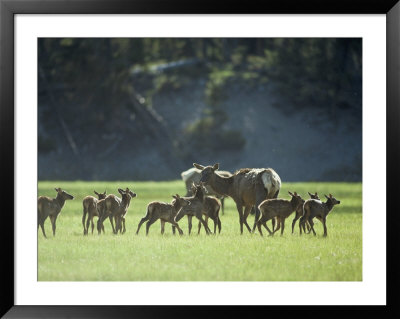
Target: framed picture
{"points": [[25, 28]]}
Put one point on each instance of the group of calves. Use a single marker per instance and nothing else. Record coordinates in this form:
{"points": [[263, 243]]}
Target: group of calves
{"points": [[199, 205]]}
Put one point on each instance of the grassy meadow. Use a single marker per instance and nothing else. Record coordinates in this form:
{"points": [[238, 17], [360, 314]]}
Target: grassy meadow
{"points": [[229, 256]]}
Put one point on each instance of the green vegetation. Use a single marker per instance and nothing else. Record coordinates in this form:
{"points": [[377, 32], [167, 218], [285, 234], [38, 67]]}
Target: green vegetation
{"points": [[226, 257]]}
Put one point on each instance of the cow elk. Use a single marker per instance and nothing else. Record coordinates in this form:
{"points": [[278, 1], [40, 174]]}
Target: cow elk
{"points": [[166, 212], [247, 187], [51, 207]]}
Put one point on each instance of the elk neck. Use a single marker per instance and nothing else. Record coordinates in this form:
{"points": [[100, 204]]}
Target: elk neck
{"points": [[222, 185], [60, 200]]}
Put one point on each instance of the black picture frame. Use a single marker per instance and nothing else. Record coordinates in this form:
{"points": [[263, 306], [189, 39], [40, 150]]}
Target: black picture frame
{"points": [[8, 10]]}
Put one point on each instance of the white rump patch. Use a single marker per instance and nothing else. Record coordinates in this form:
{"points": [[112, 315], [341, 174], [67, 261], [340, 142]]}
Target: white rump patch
{"points": [[187, 174]]}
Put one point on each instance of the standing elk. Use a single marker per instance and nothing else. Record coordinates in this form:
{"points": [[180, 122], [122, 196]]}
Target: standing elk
{"points": [[211, 207], [166, 212], [247, 187], [299, 211], [278, 208], [51, 207], [193, 176], [90, 209], [116, 208], [315, 208]]}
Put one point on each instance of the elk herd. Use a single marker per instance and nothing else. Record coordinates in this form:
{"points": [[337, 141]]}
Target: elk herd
{"points": [[207, 186]]}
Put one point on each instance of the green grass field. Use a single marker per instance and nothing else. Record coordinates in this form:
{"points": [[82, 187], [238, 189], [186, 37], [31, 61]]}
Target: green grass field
{"points": [[69, 256]]}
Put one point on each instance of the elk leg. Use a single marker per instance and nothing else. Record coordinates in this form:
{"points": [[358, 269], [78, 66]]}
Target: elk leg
{"points": [[246, 213], [123, 221], [42, 227], [222, 204], [259, 223], [53, 224], [84, 219], [92, 224], [219, 225], [112, 223], [177, 226], [208, 231], [215, 220], [149, 223], [190, 222], [240, 211], [294, 221], [173, 230], [87, 225], [283, 225], [162, 227], [206, 220], [140, 224], [323, 220], [312, 226], [261, 194], [277, 228], [199, 227]]}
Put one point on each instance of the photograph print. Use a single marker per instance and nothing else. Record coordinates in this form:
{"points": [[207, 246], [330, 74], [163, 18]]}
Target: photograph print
{"points": [[200, 159]]}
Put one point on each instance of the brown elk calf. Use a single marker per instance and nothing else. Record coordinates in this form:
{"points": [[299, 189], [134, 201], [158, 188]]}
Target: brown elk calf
{"points": [[277, 208], [90, 209], [315, 208], [115, 208], [211, 207], [166, 212], [299, 211], [51, 207], [195, 208]]}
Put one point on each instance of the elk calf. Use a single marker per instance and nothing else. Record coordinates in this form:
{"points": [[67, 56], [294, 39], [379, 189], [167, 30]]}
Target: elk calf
{"points": [[194, 209], [90, 209], [211, 207], [279, 208], [51, 207], [165, 212], [114, 207], [299, 211], [315, 208]]}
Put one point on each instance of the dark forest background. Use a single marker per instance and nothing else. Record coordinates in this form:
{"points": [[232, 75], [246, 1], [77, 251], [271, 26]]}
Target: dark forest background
{"points": [[147, 108]]}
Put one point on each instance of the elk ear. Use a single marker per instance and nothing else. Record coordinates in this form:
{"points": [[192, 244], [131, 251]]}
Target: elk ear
{"points": [[198, 166], [295, 194], [120, 191], [96, 192], [173, 196], [290, 193], [216, 166], [310, 194], [177, 196], [326, 196], [57, 189], [330, 195]]}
